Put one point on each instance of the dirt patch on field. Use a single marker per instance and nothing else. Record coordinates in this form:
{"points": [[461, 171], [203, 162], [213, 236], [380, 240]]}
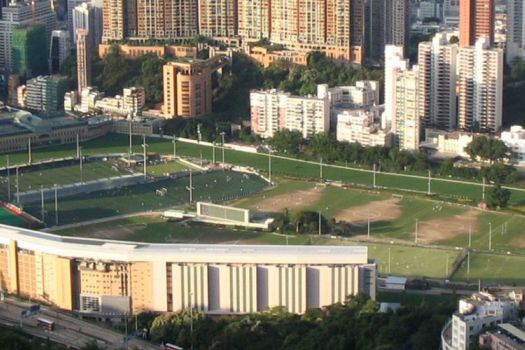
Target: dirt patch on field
{"points": [[447, 228], [519, 241], [385, 210], [117, 232], [291, 201]]}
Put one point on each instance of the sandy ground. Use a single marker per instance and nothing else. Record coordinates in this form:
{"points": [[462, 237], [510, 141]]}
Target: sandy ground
{"points": [[519, 241], [385, 210], [447, 228], [292, 201]]}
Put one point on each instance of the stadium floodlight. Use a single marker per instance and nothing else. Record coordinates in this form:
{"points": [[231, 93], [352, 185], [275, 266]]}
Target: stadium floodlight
{"points": [[389, 259], [130, 151], [81, 167], [213, 156], [190, 188], [483, 189], [222, 134], [490, 235], [56, 205], [78, 146], [29, 158], [321, 169], [374, 180], [8, 179], [368, 228], [199, 133], [17, 187], [42, 201], [429, 179], [174, 146], [270, 165], [144, 146]]}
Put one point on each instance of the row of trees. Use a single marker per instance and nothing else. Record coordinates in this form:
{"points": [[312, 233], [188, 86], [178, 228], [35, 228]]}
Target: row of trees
{"points": [[355, 325]]}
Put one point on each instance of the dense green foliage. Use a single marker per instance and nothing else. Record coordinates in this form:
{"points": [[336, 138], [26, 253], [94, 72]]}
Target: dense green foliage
{"points": [[498, 197], [487, 149], [356, 325], [14, 340], [514, 90]]}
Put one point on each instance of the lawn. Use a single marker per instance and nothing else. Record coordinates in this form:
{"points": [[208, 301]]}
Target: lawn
{"points": [[163, 169], [216, 186], [34, 179], [415, 298], [493, 268], [114, 143]]}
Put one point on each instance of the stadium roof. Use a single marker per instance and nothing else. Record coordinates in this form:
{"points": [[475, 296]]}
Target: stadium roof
{"points": [[100, 249]]}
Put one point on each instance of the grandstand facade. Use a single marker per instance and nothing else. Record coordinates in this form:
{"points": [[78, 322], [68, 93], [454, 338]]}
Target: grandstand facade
{"points": [[112, 278]]}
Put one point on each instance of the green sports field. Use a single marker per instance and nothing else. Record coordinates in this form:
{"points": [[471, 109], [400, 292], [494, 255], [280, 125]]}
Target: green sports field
{"points": [[215, 186], [63, 175], [8, 218], [114, 143]]}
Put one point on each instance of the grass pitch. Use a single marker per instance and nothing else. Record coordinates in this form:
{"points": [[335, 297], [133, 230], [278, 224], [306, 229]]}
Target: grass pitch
{"points": [[216, 186], [8, 218]]}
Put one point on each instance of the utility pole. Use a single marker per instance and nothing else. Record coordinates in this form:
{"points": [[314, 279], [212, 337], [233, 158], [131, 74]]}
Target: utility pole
{"points": [[144, 145], [374, 180], [56, 205], [222, 134], [42, 201], [17, 187], [429, 179], [29, 158], [8, 178], [490, 235]]}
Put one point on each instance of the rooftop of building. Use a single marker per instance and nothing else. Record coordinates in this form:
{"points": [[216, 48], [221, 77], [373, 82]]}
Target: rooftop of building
{"points": [[100, 249]]}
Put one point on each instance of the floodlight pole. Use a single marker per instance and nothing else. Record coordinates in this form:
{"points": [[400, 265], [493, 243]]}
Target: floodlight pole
{"points": [[174, 146], [42, 201], [321, 169], [201, 156], [81, 166], [56, 205], [130, 151], [270, 166], [78, 146], [490, 235], [368, 228], [17, 187], [213, 156], [29, 158], [374, 180], [145, 157], [417, 222], [483, 190], [190, 187], [8, 179], [446, 268], [429, 179], [222, 134], [389, 260]]}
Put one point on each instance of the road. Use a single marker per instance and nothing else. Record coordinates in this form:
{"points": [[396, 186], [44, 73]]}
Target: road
{"points": [[69, 331]]}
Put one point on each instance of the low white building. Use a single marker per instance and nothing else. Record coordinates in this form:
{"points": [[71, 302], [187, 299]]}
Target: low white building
{"points": [[88, 97], [358, 126], [70, 100], [449, 144], [364, 94], [515, 140]]}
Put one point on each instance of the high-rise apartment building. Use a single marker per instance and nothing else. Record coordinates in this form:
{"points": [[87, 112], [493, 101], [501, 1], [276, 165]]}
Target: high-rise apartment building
{"points": [[476, 19], [18, 14], [187, 88], [59, 50], [437, 69], [71, 5], [480, 87], [29, 51], [88, 16], [406, 110], [113, 23], [83, 59], [274, 110], [218, 18], [515, 30], [387, 22], [254, 19], [394, 61]]}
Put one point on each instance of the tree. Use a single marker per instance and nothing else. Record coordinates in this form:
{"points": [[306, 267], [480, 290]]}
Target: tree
{"points": [[487, 149], [286, 141], [498, 197]]}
